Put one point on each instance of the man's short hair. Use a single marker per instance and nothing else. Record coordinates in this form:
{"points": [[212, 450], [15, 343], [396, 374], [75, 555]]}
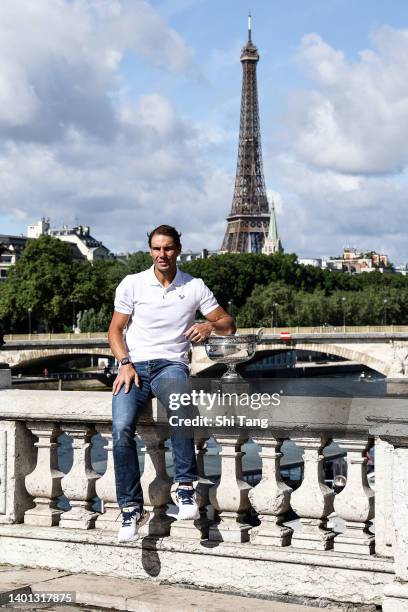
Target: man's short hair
{"points": [[166, 230]]}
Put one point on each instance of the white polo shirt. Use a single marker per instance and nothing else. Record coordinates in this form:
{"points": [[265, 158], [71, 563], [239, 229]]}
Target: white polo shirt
{"points": [[161, 315]]}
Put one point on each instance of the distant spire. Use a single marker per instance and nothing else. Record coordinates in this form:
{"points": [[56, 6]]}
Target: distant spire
{"points": [[272, 243], [273, 226], [249, 27]]}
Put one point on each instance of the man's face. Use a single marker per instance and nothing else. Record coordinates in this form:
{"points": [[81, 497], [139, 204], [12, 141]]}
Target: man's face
{"points": [[164, 253]]}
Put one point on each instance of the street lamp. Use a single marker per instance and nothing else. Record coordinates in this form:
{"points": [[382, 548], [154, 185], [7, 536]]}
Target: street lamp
{"points": [[344, 300], [30, 310], [73, 315], [274, 320], [385, 311]]}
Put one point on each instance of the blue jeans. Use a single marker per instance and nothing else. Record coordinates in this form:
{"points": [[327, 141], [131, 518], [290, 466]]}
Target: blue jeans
{"points": [[161, 377]]}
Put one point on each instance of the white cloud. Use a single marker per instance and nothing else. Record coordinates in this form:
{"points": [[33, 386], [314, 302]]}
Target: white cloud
{"points": [[343, 174], [355, 120], [60, 59], [324, 211], [153, 112], [73, 146]]}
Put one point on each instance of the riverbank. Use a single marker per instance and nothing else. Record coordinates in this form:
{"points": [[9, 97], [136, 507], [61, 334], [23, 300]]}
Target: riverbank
{"points": [[302, 369]]}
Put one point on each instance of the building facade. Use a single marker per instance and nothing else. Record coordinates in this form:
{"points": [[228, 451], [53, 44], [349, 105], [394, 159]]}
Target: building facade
{"points": [[356, 262], [11, 248], [84, 245]]}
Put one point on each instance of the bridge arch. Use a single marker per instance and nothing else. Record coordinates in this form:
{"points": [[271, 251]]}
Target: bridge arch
{"points": [[371, 358], [30, 357]]}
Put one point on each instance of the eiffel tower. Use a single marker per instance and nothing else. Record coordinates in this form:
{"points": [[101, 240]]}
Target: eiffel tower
{"points": [[248, 221]]}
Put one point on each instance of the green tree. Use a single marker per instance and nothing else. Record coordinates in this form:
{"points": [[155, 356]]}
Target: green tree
{"points": [[234, 276], [43, 280], [92, 321], [138, 262], [95, 283], [273, 302]]}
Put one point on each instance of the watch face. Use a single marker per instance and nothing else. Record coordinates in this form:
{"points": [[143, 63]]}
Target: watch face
{"points": [[125, 361]]}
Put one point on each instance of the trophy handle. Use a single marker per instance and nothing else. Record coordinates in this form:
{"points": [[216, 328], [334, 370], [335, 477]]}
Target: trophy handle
{"points": [[259, 334]]}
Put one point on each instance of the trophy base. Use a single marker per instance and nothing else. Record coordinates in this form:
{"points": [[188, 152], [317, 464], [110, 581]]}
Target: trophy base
{"points": [[232, 376], [230, 385]]}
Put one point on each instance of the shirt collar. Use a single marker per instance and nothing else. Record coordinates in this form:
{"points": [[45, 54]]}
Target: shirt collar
{"points": [[177, 280]]}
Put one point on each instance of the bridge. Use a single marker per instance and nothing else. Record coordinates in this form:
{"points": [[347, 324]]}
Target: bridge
{"points": [[381, 348]]}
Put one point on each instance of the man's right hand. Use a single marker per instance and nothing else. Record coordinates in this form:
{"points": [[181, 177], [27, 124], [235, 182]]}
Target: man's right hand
{"points": [[127, 375]]}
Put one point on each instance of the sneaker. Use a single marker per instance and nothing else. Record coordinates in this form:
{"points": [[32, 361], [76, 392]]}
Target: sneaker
{"points": [[185, 499], [132, 520]]}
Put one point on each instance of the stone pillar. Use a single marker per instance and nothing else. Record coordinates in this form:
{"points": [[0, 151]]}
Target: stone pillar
{"points": [[313, 500], [396, 593], [393, 428], [44, 483], [198, 529], [271, 497], [79, 484], [230, 496], [383, 498], [355, 504], [18, 457], [110, 519], [155, 481]]}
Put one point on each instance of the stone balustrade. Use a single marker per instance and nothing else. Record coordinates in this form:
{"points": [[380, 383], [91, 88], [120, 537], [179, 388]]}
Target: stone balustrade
{"points": [[245, 539]]}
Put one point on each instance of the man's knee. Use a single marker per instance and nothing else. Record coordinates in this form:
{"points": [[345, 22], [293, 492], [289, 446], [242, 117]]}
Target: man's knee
{"points": [[123, 435]]}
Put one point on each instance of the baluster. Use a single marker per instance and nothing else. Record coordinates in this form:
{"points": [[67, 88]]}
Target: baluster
{"points": [[355, 504], [155, 481], [110, 519], [79, 484], [396, 592], [230, 496], [313, 500], [198, 529], [392, 427], [271, 497], [44, 483], [384, 528]]}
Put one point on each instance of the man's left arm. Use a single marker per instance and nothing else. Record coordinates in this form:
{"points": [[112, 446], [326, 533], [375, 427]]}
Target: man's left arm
{"points": [[218, 321]]}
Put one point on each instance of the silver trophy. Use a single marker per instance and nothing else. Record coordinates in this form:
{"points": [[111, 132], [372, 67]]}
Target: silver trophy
{"points": [[231, 350]]}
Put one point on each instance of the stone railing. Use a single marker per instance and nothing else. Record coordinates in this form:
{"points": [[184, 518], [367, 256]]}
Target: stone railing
{"points": [[308, 558], [316, 329]]}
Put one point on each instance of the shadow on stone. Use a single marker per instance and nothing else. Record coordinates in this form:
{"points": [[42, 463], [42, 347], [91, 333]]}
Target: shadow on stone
{"points": [[150, 558]]}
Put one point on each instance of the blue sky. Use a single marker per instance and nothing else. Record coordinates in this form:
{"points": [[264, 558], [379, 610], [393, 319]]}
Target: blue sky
{"points": [[124, 114]]}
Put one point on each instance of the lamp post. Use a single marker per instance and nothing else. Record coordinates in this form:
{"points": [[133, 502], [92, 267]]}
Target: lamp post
{"points": [[344, 300], [73, 315], [274, 320], [385, 311], [30, 310]]}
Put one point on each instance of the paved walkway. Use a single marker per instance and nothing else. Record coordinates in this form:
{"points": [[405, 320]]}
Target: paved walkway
{"points": [[21, 585]]}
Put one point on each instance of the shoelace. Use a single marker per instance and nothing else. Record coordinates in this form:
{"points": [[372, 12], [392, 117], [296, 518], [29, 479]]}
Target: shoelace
{"points": [[185, 496], [127, 517]]}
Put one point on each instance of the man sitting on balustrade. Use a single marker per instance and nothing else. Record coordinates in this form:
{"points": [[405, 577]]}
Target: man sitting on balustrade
{"points": [[157, 307]]}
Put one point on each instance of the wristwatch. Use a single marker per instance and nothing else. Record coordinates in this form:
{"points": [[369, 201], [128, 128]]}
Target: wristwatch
{"points": [[125, 361]]}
